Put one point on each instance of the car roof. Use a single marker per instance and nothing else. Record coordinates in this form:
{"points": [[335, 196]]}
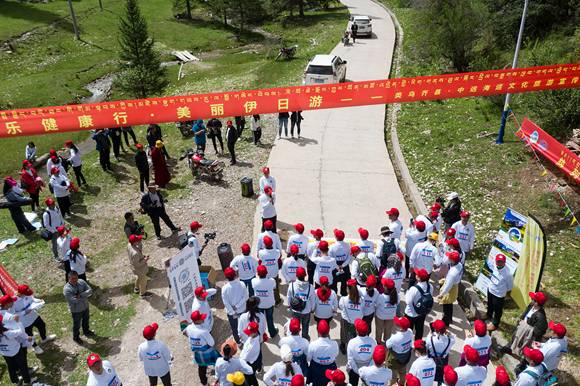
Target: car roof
{"points": [[361, 18], [322, 60]]}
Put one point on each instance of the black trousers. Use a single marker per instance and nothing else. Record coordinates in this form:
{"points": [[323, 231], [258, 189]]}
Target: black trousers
{"points": [[35, 199], [18, 364], [310, 268], [220, 140], [79, 175], [129, 131], [273, 219], [353, 378], [418, 324], [166, 380], [105, 159], [80, 319], [251, 379], [342, 278], [369, 320], [202, 372], [257, 135], [447, 314], [494, 308], [143, 179], [40, 325], [22, 224], [64, 204], [412, 279], [157, 214], [297, 124], [232, 151], [117, 145]]}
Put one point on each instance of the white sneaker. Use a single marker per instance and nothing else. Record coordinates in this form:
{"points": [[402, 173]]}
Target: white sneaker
{"points": [[38, 350], [49, 338]]}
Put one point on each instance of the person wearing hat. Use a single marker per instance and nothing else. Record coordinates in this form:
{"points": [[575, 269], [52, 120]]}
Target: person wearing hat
{"points": [[138, 262], [502, 377], [532, 326], [14, 195], [202, 344], [321, 355], [396, 270], [376, 374], [452, 244], [428, 220], [413, 235], [245, 265], [385, 310], [153, 205], [230, 370], [359, 351], [387, 246], [450, 377], [300, 240], [142, 164], [7, 311], [252, 352], [55, 160], [160, 170], [60, 186], [439, 344], [12, 336], [336, 378], [264, 290], [452, 211], [282, 372], [312, 250], [501, 282], [399, 346], [298, 380], [231, 138], [325, 265], [412, 297], [298, 345], [103, 146], [480, 340], [155, 356], [471, 373], [423, 367], [270, 231], [465, 232], [77, 261], [555, 346], [450, 286], [267, 180], [101, 372], [536, 370], [395, 225], [201, 304], [340, 251], [252, 314], [411, 380], [290, 264], [350, 307], [199, 134], [300, 298], [31, 183], [267, 200], [366, 245], [271, 258], [325, 303], [423, 256], [369, 296], [76, 292], [234, 297], [76, 162], [26, 306]]}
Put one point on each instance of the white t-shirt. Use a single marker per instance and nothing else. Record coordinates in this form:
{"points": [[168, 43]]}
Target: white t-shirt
{"points": [[75, 158], [428, 223], [278, 372], [471, 375], [366, 246], [525, 379], [400, 342], [340, 251], [58, 188], [25, 307], [303, 290], [300, 240], [251, 350], [264, 289], [375, 376], [413, 295], [297, 344], [10, 341], [384, 309], [424, 368], [423, 256], [63, 244], [369, 302], [155, 357], [350, 311], [359, 352], [481, 343], [269, 258], [501, 282], [234, 296], [325, 309], [465, 234], [223, 368], [107, 378], [245, 265], [442, 344], [289, 267], [322, 351], [267, 208], [356, 262], [52, 219], [199, 337], [276, 243], [398, 278], [324, 267], [203, 307], [80, 263], [267, 181], [397, 228], [412, 237], [553, 349]]}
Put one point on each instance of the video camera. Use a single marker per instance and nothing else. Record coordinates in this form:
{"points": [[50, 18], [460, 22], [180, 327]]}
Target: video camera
{"points": [[209, 236]]}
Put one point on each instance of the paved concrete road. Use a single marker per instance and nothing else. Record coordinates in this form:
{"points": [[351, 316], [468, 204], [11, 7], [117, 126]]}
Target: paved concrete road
{"points": [[339, 174]]}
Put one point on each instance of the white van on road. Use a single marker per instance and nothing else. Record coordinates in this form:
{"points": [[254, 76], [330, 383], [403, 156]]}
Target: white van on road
{"points": [[325, 69], [365, 27]]}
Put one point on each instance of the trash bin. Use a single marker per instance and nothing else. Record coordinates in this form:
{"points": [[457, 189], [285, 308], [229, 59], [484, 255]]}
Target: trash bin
{"points": [[225, 254], [247, 187]]}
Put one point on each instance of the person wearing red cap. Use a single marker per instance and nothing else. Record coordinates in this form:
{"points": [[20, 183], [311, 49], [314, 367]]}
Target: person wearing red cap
{"points": [[450, 286], [271, 259], [298, 344], [411, 380], [417, 304], [60, 186], [359, 351], [450, 377], [25, 307], [15, 197], [252, 352], [501, 282], [325, 302], [138, 262], [340, 251], [300, 240], [399, 345], [429, 221], [312, 250], [300, 298], [423, 367], [252, 314], [336, 377], [142, 164], [452, 244], [366, 245], [76, 259], [267, 180], [395, 225], [423, 256], [267, 201], [350, 310], [439, 344], [202, 344], [55, 160], [298, 380], [155, 356], [369, 299], [465, 232], [555, 346], [101, 372], [264, 290], [480, 341], [471, 373], [153, 205], [502, 378], [281, 373], [290, 264], [321, 355], [193, 242], [201, 304], [536, 372], [270, 231], [31, 183], [76, 162], [413, 235], [245, 265], [12, 337], [234, 297], [375, 373], [325, 265], [385, 310], [532, 326]]}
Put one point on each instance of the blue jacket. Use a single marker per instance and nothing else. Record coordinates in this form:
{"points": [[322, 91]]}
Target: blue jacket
{"points": [[197, 127]]}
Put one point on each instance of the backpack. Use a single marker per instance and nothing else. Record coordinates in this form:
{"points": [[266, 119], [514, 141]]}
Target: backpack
{"points": [[439, 359], [366, 268], [296, 303], [389, 248], [425, 302], [547, 378]]}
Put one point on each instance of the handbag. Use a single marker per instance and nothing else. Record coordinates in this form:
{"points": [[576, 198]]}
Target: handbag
{"points": [[46, 235]]}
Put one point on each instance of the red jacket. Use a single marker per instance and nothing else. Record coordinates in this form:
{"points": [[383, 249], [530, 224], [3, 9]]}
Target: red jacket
{"points": [[29, 180]]}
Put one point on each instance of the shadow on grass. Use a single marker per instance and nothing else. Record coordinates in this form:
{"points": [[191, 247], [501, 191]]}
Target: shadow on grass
{"points": [[309, 20], [55, 362], [21, 10], [245, 37]]}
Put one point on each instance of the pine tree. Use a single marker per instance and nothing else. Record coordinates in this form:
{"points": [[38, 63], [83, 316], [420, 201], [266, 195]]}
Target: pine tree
{"points": [[141, 71]]}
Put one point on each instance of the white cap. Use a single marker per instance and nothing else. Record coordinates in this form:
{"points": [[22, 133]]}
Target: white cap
{"points": [[452, 195], [286, 353]]}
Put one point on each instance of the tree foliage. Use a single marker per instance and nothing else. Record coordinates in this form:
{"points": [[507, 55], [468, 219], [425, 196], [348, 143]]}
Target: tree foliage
{"points": [[141, 72]]}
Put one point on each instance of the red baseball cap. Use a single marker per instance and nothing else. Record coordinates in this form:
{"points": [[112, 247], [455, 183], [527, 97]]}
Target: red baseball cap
{"points": [[25, 290], [433, 213], [336, 376], [54, 170], [450, 376], [268, 242], [323, 246], [363, 233], [197, 316], [294, 325], [201, 292], [450, 232], [195, 225], [411, 380], [262, 271], [361, 327], [268, 190], [419, 344], [230, 273], [420, 225], [294, 249], [371, 281], [480, 327], [52, 153], [538, 297], [297, 380], [252, 328], [92, 359], [339, 234], [268, 224], [402, 322], [354, 249], [323, 280], [135, 239], [400, 255], [471, 354], [558, 328], [75, 243], [502, 378], [453, 256], [323, 328], [439, 325], [49, 201], [464, 214], [299, 227], [60, 229], [500, 257], [388, 283], [301, 273], [266, 170], [533, 354], [317, 233], [150, 331], [246, 248], [139, 146], [228, 123], [436, 206], [379, 354], [393, 212], [422, 274], [351, 282], [453, 242]]}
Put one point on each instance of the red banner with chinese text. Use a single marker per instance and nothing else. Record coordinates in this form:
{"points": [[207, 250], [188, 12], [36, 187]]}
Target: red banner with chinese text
{"points": [[8, 285], [201, 106], [551, 149]]}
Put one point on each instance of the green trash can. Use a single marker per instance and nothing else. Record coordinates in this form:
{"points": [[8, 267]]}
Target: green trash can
{"points": [[247, 187]]}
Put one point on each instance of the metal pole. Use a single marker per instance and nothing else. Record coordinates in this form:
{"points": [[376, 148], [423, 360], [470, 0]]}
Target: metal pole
{"points": [[101, 4], [508, 97], [74, 20]]}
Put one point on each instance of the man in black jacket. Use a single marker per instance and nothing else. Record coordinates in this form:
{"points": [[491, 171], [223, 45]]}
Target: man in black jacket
{"points": [[452, 212], [215, 132], [231, 137], [142, 166], [101, 137], [153, 205]]}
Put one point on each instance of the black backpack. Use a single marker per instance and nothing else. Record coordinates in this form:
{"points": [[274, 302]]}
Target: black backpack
{"points": [[296, 303], [389, 248], [425, 302]]}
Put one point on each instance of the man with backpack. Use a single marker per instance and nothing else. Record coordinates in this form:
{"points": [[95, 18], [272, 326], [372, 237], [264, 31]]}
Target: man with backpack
{"points": [[364, 265], [423, 256], [536, 373], [387, 246], [419, 300], [301, 300]]}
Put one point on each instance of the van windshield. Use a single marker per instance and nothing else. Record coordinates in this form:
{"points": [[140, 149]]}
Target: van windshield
{"points": [[319, 70], [362, 21]]}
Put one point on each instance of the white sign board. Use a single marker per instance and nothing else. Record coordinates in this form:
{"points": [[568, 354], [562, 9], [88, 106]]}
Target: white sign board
{"points": [[184, 278]]}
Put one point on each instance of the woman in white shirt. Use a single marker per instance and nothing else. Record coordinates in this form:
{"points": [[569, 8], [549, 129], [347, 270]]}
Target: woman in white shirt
{"points": [[201, 343], [227, 364], [76, 259], [76, 162], [252, 352], [291, 264], [369, 299], [325, 265], [385, 311], [252, 314], [10, 348], [399, 346], [155, 356], [350, 310], [298, 345], [283, 371], [439, 345], [25, 307], [256, 128], [245, 265], [60, 185], [325, 302]]}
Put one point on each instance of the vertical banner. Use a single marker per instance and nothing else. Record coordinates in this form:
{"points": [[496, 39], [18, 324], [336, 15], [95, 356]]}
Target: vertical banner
{"points": [[184, 278]]}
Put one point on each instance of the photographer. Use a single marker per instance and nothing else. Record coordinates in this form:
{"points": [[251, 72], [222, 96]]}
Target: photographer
{"points": [[132, 227], [193, 242]]}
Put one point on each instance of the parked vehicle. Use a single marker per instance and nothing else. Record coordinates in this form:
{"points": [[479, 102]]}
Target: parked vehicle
{"points": [[185, 128], [200, 166], [364, 24], [325, 69]]}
